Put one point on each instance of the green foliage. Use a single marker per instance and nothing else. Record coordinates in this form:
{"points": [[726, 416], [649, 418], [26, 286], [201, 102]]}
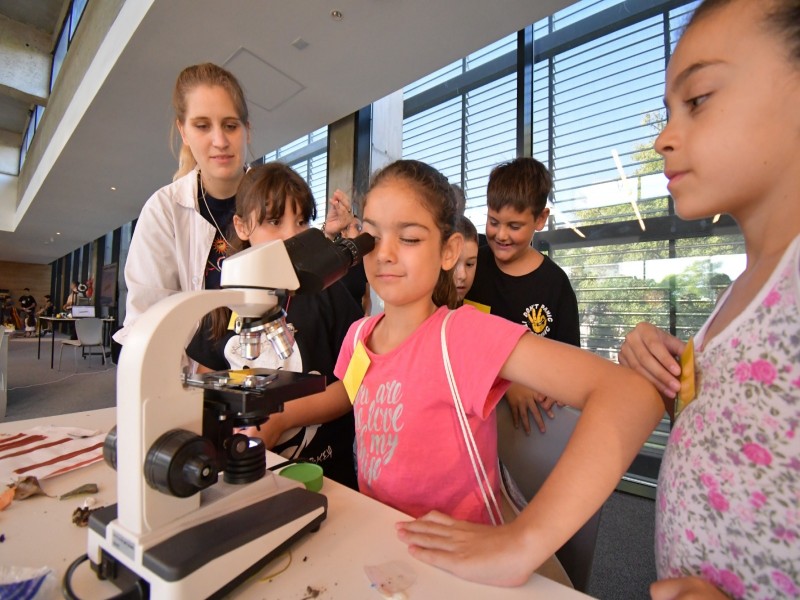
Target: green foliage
{"points": [[613, 287]]}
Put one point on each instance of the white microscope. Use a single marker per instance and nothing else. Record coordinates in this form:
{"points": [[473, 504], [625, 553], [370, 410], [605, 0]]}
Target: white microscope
{"points": [[178, 530]]}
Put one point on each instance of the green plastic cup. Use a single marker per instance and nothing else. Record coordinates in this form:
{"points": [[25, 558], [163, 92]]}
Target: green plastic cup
{"points": [[308, 474]]}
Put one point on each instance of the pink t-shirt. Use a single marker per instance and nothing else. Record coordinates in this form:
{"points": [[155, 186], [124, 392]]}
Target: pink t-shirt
{"points": [[411, 452]]}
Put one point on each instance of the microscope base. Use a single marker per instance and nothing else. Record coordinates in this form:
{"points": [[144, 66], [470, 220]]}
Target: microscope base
{"points": [[211, 559]]}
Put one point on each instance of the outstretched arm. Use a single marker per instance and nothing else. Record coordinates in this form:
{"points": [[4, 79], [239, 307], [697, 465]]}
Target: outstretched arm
{"points": [[619, 410]]}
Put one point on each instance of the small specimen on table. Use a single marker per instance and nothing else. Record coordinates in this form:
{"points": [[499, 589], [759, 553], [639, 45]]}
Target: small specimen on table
{"points": [[27, 487], [86, 488]]}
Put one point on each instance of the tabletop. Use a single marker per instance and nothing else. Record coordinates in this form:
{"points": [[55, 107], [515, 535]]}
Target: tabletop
{"points": [[328, 564]]}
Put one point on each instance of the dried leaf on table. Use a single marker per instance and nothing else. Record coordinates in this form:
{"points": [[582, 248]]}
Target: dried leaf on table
{"points": [[86, 488], [27, 487], [80, 516]]}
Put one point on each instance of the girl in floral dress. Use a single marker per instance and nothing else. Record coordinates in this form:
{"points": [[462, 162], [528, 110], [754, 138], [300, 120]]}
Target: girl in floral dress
{"points": [[727, 514]]}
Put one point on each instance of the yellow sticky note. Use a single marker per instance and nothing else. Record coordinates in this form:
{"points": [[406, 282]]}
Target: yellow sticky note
{"points": [[356, 370], [687, 392], [479, 306], [232, 322]]}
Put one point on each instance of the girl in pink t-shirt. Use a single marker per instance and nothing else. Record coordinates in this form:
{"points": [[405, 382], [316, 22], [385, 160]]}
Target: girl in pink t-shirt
{"points": [[411, 450]]}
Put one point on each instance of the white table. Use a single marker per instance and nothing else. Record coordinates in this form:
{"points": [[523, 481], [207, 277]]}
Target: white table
{"points": [[357, 532]]}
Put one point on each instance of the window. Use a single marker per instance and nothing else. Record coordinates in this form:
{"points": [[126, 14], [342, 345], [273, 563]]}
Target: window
{"points": [[472, 127], [78, 6], [59, 53], [308, 156], [596, 108], [68, 28]]}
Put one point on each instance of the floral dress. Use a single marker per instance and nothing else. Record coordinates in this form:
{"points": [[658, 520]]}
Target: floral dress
{"points": [[729, 489]]}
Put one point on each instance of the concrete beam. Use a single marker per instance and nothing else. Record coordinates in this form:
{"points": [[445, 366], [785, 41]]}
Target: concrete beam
{"points": [[24, 62]]}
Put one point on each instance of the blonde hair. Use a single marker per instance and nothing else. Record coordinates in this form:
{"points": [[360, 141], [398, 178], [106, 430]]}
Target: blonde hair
{"points": [[203, 74]]}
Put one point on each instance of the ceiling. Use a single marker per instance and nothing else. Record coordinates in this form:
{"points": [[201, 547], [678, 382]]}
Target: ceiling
{"points": [[115, 132]]}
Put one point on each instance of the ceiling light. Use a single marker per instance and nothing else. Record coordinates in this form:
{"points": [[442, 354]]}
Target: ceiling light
{"points": [[113, 189], [300, 44], [337, 15], [57, 233]]}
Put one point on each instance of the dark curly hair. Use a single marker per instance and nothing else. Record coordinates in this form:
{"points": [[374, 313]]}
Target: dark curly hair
{"points": [[437, 196]]}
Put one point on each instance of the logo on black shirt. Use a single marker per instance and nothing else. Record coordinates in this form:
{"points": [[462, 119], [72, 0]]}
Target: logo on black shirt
{"points": [[538, 318]]}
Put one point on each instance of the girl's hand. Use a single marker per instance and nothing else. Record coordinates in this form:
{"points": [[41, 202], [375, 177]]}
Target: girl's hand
{"points": [[651, 352], [523, 401], [491, 555], [685, 588], [340, 214], [270, 432]]}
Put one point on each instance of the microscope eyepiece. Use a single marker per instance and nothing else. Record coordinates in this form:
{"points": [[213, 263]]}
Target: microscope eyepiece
{"points": [[318, 262]]}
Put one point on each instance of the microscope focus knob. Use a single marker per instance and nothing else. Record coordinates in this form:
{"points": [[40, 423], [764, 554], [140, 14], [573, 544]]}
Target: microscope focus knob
{"points": [[110, 448], [181, 463]]}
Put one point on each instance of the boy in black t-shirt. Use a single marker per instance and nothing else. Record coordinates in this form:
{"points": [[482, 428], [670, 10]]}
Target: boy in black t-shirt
{"points": [[514, 280]]}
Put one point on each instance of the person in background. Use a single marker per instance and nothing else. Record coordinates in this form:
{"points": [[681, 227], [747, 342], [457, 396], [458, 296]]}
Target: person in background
{"points": [[183, 232], [517, 282], [464, 273], [394, 367], [28, 305], [275, 203], [727, 519], [72, 300], [461, 199], [47, 310], [72, 297]]}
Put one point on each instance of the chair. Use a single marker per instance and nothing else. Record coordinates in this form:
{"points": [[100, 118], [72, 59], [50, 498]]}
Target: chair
{"points": [[528, 459], [90, 333]]}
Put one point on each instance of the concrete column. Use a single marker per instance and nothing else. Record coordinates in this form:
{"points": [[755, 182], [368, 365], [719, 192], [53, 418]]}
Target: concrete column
{"points": [[363, 142], [360, 144]]}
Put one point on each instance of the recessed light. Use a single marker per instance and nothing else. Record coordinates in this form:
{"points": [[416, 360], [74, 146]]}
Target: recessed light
{"points": [[337, 15], [113, 189], [58, 233], [300, 44]]}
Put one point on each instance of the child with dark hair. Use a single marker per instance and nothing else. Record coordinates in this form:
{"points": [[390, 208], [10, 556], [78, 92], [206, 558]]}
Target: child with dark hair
{"points": [[727, 517], [514, 280], [418, 385], [275, 203], [464, 273]]}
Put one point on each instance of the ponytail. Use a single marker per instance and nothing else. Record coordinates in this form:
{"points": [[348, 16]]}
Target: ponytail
{"points": [[186, 162], [445, 292]]}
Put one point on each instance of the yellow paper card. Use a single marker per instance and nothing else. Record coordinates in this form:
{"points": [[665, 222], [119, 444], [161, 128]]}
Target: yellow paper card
{"points": [[237, 377], [232, 322], [479, 306], [687, 392], [356, 370]]}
